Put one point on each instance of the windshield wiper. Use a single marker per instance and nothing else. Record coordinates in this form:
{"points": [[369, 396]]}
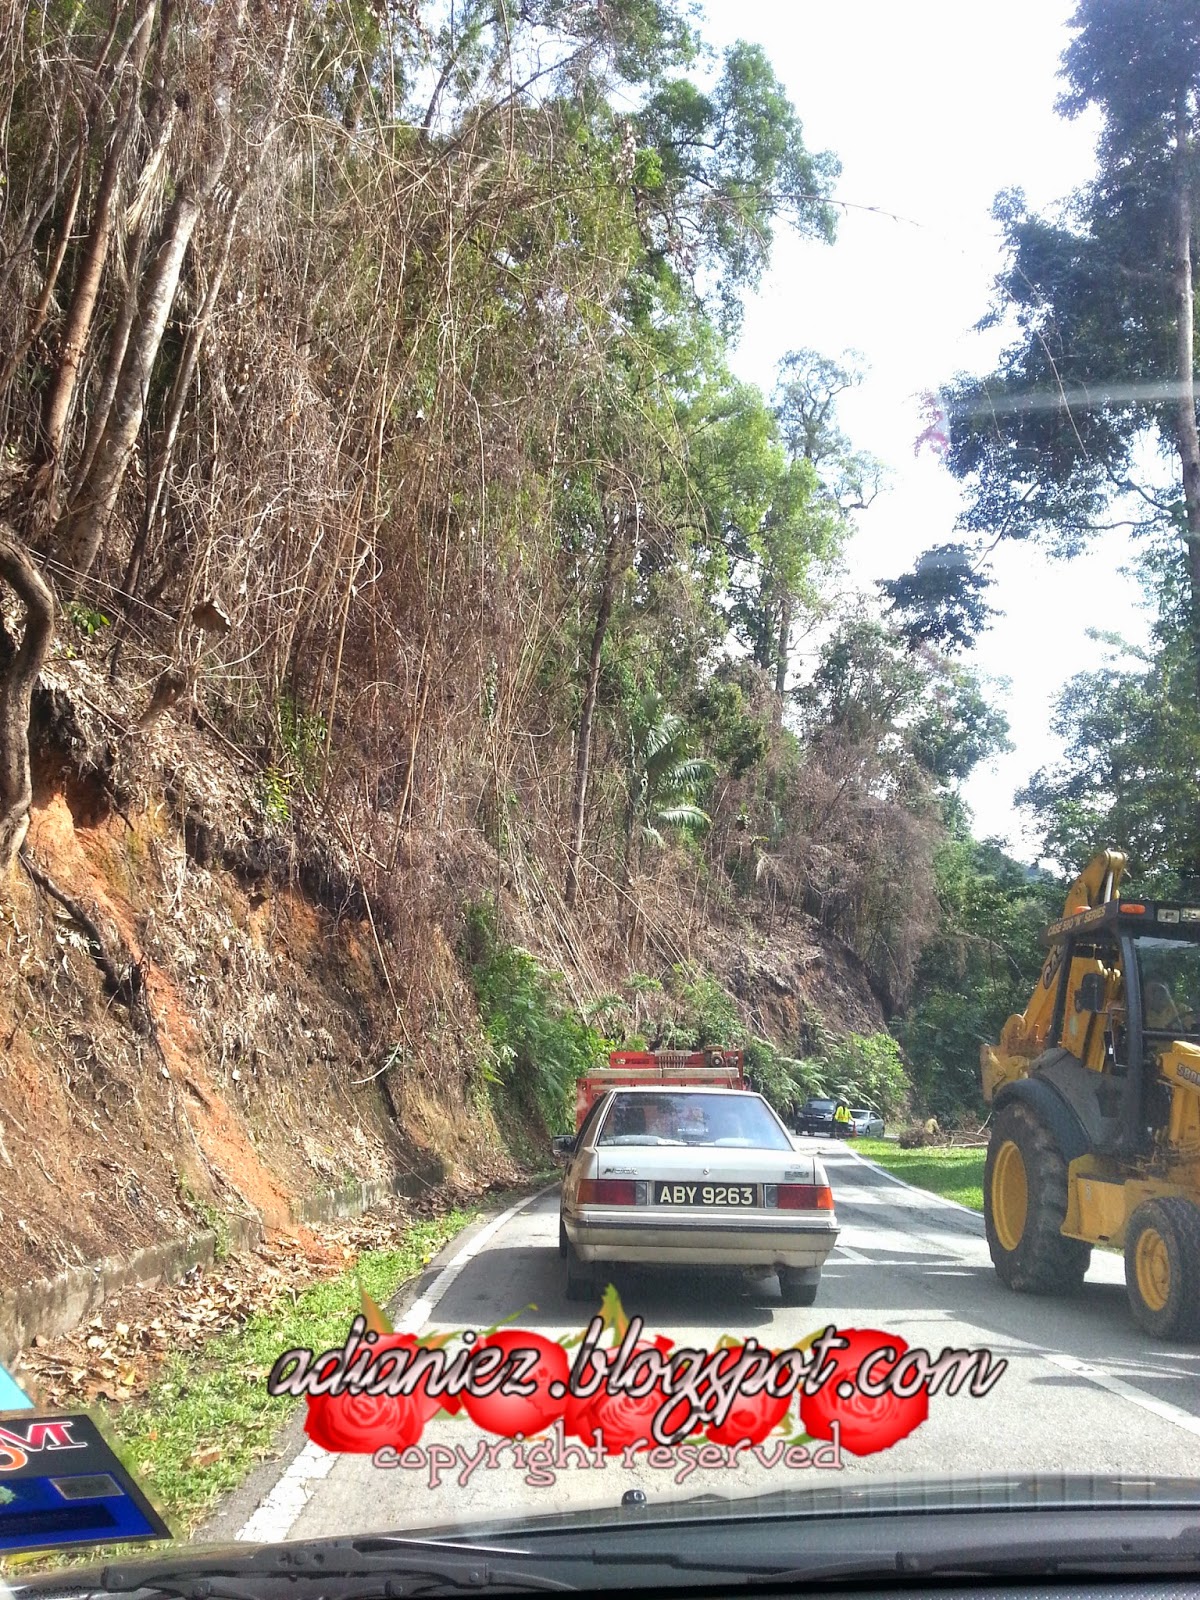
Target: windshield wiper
{"points": [[864, 1534], [352, 1570]]}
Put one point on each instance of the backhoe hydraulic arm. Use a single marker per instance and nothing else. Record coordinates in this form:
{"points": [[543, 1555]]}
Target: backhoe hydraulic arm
{"points": [[1024, 1036]]}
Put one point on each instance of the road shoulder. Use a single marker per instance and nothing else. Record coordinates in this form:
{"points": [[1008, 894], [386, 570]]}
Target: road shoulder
{"points": [[266, 1504]]}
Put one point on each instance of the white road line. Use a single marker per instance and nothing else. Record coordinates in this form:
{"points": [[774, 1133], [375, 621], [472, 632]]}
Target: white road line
{"points": [[415, 1318], [937, 1199], [847, 1254], [276, 1514], [1148, 1402]]}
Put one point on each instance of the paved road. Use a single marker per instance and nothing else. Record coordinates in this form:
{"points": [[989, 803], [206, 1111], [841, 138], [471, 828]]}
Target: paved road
{"points": [[1083, 1392]]}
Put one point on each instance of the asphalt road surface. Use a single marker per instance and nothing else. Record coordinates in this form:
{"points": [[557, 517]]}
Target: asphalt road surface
{"points": [[1084, 1391]]}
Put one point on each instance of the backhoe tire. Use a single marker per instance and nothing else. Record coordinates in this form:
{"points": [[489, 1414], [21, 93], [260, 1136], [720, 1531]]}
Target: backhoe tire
{"points": [[1162, 1268], [1024, 1204]]}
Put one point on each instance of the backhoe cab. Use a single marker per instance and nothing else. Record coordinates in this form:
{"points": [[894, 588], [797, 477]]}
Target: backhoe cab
{"points": [[1095, 1090]]}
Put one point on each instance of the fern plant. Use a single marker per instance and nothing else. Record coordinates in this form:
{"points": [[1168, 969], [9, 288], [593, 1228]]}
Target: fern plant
{"points": [[664, 779]]}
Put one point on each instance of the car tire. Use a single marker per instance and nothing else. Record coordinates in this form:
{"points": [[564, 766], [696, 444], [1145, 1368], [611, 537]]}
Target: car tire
{"points": [[564, 1244], [798, 1287], [581, 1282]]}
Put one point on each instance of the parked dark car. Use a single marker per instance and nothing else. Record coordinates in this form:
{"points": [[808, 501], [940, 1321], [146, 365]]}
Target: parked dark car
{"points": [[816, 1117]]}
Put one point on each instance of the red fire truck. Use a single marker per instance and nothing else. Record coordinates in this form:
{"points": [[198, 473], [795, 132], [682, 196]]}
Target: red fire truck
{"points": [[715, 1069]]}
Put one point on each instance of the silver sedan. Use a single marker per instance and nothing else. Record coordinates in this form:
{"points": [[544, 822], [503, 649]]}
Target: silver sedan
{"points": [[868, 1123], [697, 1178]]}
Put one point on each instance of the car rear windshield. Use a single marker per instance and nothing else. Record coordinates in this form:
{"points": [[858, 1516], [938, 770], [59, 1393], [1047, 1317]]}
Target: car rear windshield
{"points": [[735, 1120]]}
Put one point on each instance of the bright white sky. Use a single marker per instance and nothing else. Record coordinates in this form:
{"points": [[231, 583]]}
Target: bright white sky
{"points": [[932, 107]]}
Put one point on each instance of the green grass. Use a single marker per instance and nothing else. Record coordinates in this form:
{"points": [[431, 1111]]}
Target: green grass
{"points": [[208, 1420], [221, 1403], [956, 1174]]}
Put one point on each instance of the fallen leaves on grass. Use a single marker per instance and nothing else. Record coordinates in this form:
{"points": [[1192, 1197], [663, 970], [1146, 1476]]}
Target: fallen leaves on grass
{"points": [[115, 1355]]}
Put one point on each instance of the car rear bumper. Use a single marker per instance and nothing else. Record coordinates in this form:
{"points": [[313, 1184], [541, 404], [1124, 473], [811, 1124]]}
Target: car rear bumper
{"points": [[703, 1240]]}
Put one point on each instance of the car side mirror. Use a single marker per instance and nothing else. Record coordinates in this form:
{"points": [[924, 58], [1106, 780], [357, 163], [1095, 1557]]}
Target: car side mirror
{"points": [[563, 1147], [1089, 996]]}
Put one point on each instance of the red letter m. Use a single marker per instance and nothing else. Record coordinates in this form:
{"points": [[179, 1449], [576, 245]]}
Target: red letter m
{"points": [[44, 1436]]}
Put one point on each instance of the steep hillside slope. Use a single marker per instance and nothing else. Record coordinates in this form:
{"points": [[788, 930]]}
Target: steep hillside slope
{"points": [[207, 1021]]}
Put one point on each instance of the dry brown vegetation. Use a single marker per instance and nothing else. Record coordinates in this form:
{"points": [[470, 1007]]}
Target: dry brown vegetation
{"points": [[376, 507]]}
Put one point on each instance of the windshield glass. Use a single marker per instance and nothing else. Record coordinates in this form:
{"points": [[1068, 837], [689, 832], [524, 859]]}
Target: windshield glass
{"points": [[1170, 974], [696, 1119]]}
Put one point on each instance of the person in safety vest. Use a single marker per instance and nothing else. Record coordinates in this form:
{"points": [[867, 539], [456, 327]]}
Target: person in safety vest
{"points": [[841, 1119]]}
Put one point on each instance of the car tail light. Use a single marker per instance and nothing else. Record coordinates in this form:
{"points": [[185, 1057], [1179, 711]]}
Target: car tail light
{"points": [[609, 1192], [799, 1196]]}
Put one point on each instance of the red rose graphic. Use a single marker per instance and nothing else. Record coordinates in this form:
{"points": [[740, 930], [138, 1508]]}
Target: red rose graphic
{"points": [[868, 1422], [621, 1419], [577, 1407], [751, 1416], [509, 1414], [360, 1424]]}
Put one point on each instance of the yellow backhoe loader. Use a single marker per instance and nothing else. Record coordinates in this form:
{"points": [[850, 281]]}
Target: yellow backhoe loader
{"points": [[1095, 1095]]}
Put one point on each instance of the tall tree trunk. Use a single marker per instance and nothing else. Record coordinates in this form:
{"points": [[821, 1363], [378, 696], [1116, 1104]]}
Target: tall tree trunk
{"points": [[1189, 435], [783, 650], [118, 344], [583, 745], [77, 328], [179, 394], [629, 840], [82, 528], [78, 325], [118, 340], [18, 674], [42, 308]]}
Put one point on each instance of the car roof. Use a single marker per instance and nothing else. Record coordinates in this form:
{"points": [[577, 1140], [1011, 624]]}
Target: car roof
{"points": [[680, 1088]]}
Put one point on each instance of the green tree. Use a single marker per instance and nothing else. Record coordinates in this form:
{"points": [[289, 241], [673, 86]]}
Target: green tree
{"points": [[718, 169], [664, 778], [827, 480], [712, 175], [782, 484], [1101, 302], [957, 728], [940, 602], [978, 968], [721, 710], [1130, 767]]}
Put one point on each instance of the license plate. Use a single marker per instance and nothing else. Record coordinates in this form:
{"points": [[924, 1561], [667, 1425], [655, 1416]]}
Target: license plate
{"points": [[680, 1195]]}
